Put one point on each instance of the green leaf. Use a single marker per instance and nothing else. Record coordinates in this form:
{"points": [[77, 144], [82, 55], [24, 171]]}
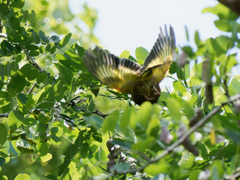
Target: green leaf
{"points": [[42, 148], [33, 53], [235, 135], [188, 50], [45, 105], [54, 39], [48, 48], [80, 50], [25, 15], [186, 32], [110, 121], [179, 87], [234, 87], [42, 36], [31, 16], [144, 113], [97, 137], [41, 77], [70, 60], [59, 90], [31, 47], [56, 133], [45, 158], [2, 161], [188, 109], [15, 23], [154, 169], [174, 108], [53, 50], [122, 167], [43, 119], [227, 25], [197, 38], [65, 73], [19, 57], [16, 85], [153, 126], [17, 4], [14, 68], [35, 37], [91, 106], [225, 42], [125, 54], [194, 174], [6, 47], [26, 69], [32, 74], [234, 163], [4, 10], [22, 177], [3, 134], [84, 150], [7, 69], [124, 121], [15, 119], [65, 40], [30, 121], [221, 11], [9, 106], [141, 53], [213, 47]]}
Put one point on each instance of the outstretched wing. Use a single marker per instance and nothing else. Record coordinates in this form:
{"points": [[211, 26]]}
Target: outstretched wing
{"points": [[115, 72], [160, 57]]}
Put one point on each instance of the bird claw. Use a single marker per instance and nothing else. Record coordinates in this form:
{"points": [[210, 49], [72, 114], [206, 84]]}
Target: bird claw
{"points": [[156, 92]]}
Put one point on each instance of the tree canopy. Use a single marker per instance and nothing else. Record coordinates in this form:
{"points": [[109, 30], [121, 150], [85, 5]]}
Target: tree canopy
{"points": [[58, 122]]}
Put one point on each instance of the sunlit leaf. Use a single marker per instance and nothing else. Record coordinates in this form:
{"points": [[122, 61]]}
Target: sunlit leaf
{"points": [[141, 53]]}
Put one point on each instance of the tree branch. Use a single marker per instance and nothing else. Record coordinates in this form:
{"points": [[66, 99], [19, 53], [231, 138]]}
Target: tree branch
{"points": [[234, 5], [184, 137]]}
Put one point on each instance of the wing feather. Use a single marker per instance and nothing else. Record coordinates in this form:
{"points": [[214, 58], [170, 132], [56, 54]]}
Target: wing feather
{"points": [[160, 57], [117, 73]]}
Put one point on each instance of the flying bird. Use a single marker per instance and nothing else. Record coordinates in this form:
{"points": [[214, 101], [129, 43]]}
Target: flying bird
{"points": [[127, 76]]}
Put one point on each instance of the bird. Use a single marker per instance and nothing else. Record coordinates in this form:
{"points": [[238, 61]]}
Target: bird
{"points": [[127, 76]]}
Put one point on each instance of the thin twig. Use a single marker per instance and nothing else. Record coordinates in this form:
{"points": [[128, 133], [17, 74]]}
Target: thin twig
{"points": [[100, 114], [33, 61], [4, 115], [30, 90]]}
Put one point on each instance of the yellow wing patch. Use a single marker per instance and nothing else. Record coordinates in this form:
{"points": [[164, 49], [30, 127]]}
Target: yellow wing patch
{"points": [[160, 57], [115, 72]]}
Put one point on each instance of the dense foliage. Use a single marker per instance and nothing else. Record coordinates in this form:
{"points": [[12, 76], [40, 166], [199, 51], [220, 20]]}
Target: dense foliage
{"points": [[58, 122]]}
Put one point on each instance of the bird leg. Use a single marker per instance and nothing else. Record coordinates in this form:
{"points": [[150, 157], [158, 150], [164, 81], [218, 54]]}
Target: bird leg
{"points": [[156, 90]]}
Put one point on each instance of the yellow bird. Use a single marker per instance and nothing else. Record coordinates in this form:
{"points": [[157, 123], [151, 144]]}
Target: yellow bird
{"points": [[127, 76]]}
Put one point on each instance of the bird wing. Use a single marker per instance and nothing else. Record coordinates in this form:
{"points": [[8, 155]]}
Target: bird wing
{"points": [[160, 57], [117, 73]]}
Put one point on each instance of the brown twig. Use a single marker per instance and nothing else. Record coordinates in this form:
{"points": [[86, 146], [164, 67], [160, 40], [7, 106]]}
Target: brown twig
{"points": [[100, 114], [32, 61]]}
